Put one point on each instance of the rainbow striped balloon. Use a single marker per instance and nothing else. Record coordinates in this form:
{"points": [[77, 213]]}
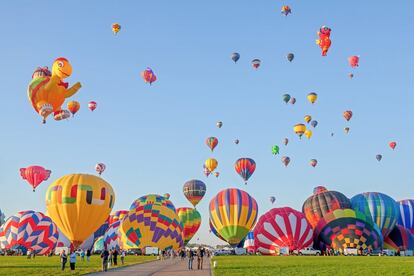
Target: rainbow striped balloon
{"points": [[233, 213], [190, 218]]}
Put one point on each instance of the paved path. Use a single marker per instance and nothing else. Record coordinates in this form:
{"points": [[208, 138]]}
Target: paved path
{"points": [[174, 267]]}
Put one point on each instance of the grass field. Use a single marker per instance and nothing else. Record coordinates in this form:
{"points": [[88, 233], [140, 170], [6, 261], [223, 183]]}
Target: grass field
{"points": [[301, 265], [46, 266]]}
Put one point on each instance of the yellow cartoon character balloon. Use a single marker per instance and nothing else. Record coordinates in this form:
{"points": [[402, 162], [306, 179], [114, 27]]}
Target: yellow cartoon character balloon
{"points": [[47, 91], [79, 204]]}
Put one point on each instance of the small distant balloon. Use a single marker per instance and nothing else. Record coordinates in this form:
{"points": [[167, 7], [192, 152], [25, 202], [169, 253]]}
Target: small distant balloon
{"points": [[206, 171], [256, 63], [292, 101], [353, 61], [313, 162], [236, 141], [73, 107], [314, 123], [167, 195], [307, 118], [235, 57], [286, 10], [285, 141], [286, 98], [299, 129], [34, 175], [148, 76], [378, 157], [216, 174], [346, 130], [272, 199], [312, 97], [285, 160], [332, 134], [347, 115], [290, 57], [308, 133], [275, 150], [100, 168], [219, 124], [92, 105], [393, 145], [116, 28], [211, 142], [350, 75]]}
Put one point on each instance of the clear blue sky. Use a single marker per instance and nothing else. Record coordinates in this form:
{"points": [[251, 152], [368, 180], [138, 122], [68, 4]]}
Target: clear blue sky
{"points": [[152, 138]]}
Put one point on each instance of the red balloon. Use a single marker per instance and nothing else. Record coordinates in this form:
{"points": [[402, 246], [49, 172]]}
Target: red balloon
{"points": [[35, 175], [148, 76], [92, 105], [393, 145], [348, 115], [353, 61]]}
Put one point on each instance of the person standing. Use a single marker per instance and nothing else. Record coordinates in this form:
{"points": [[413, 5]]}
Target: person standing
{"points": [[104, 257], [72, 260], [110, 258], [200, 258], [88, 255], [82, 255], [115, 257], [190, 256], [63, 259], [122, 257]]}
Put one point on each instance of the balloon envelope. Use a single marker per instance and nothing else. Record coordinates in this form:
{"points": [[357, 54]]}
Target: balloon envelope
{"points": [[190, 218], [194, 190], [35, 175], [406, 214], [235, 57], [399, 238], [245, 167]]}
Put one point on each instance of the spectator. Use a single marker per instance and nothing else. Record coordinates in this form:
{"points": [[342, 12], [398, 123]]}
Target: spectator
{"points": [[200, 257], [122, 257], [104, 257], [63, 259], [110, 258], [115, 257], [190, 256], [82, 255], [72, 260], [88, 255]]}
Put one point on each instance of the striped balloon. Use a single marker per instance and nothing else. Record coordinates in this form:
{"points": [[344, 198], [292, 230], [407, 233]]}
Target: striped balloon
{"points": [[211, 142], [214, 231], [233, 213], [406, 217], [190, 218], [249, 242], [381, 208], [245, 167], [32, 230], [112, 238], [400, 238], [194, 190], [282, 227]]}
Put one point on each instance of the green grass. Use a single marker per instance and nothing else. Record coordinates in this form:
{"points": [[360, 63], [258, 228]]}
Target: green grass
{"points": [[306, 265], [20, 265]]}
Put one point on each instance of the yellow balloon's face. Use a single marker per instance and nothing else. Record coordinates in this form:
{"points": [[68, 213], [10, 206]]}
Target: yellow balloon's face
{"points": [[61, 68], [79, 204]]}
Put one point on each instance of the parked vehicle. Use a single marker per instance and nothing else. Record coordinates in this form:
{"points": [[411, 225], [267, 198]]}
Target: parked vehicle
{"points": [[307, 251], [151, 251], [351, 252]]}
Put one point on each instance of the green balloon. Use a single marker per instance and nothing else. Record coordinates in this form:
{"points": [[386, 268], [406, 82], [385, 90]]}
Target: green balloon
{"points": [[275, 150]]}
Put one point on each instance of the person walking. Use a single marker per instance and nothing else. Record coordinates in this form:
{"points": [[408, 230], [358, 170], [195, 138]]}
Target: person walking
{"points": [[63, 259], [72, 260], [115, 257], [190, 256], [122, 257], [200, 258], [104, 257], [88, 255]]}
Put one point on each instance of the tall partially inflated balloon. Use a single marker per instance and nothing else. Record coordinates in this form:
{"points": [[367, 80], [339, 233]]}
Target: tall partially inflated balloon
{"points": [[299, 129], [256, 63], [73, 107], [322, 202], [190, 218], [245, 167], [406, 214], [32, 230], [194, 190], [211, 142], [116, 28], [233, 213], [382, 209], [211, 164], [79, 204], [35, 175], [353, 61], [347, 115], [312, 97], [286, 98], [400, 238], [148, 76], [347, 228], [235, 57], [152, 221], [282, 227]]}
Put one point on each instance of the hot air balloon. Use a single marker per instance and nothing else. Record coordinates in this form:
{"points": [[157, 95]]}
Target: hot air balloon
{"points": [[148, 76], [393, 145], [322, 202], [292, 100], [314, 123], [233, 213], [2, 217], [73, 107], [31, 230], [286, 98], [313, 162], [347, 115], [249, 242], [235, 57], [272, 199], [382, 209], [350, 75], [275, 150], [332, 134], [285, 160], [116, 216], [79, 204], [290, 57], [245, 167], [112, 239], [346, 130], [92, 105], [308, 133], [406, 214], [353, 61], [194, 190], [256, 63], [286, 10], [166, 195], [400, 238], [116, 28], [285, 141], [191, 220], [324, 40], [211, 164], [307, 118], [282, 227], [378, 157], [211, 142], [152, 221], [100, 168], [206, 171], [347, 228], [236, 141], [219, 124], [312, 97], [99, 245], [299, 129], [214, 231], [216, 174], [35, 175]]}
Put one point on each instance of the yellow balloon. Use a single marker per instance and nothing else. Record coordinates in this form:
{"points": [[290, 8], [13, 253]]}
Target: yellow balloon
{"points": [[308, 118], [308, 133], [211, 164], [79, 204], [312, 97], [299, 129]]}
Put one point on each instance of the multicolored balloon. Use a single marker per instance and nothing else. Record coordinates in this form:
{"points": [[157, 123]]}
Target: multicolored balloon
{"points": [[152, 221], [79, 204], [112, 239], [214, 231], [116, 216], [235, 57], [406, 214], [148, 76], [32, 230], [249, 242], [73, 107], [116, 28], [381, 208], [347, 115], [194, 190], [245, 167], [2, 217], [233, 213], [211, 142], [190, 218], [285, 160], [400, 238], [92, 105], [286, 10], [100, 168], [35, 175], [313, 162], [256, 63], [282, 227]]}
